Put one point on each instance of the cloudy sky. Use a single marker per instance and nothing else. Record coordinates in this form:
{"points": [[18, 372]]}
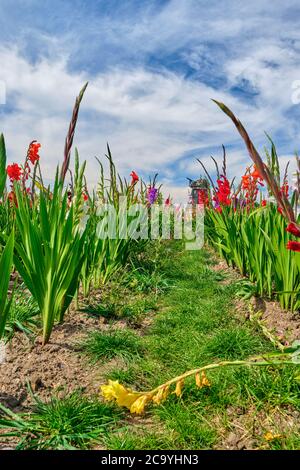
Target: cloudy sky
{"points": [[153, 67]]}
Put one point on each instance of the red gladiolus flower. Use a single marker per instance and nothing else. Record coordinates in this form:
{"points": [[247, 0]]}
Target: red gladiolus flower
{"points": [[218, 209], [134, 178], [223, 192], [245, 181], [14, 172], [85, 196], [280, 210], [293, 229], [255, 174], [168, 201], [293, 246], [33, 152], [263, 203]]}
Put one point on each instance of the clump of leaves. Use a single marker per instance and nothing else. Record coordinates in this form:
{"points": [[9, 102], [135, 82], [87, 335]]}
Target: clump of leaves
{"points": [[6, 258], [114, 343], [246, 289], [71, 422]]}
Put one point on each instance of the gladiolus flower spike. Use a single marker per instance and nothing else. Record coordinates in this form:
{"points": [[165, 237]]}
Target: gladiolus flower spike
{"points": [[136, 402], [223, 192], [152, 195], [33, 152]]}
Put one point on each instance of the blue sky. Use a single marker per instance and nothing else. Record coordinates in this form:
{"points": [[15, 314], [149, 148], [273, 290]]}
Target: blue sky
{"points": [[152, 68]]}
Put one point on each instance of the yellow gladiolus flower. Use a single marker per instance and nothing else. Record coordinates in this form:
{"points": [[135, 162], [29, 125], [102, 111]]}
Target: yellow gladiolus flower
{"points": [[124, 397], [161, 395], [205, 381], [108, 391], [139, 404], [178, 389], [202, 381]]}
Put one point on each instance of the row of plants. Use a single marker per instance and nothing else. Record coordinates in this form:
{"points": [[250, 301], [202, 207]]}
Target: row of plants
{"points": [[254, 224], [50, 236]]}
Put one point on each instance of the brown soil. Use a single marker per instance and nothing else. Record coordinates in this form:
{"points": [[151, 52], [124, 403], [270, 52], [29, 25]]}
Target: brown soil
{"points": [[285, 326], [248, 429], [58, 366]]}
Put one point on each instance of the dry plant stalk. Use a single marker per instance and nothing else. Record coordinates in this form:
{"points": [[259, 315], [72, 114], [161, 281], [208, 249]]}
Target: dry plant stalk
{"points": [[70, 135], [280, 197]]}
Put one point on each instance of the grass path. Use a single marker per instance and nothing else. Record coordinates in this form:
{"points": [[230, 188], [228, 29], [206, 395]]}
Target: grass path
{"points": [[196, 323], [172, 311]]}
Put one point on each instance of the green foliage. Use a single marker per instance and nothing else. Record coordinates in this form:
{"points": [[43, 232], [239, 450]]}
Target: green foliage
{"points": [[144, 281], [231, 343], [71, 422], [255, 242], [49, 253], [6, 260], [23, 315], [110, 344], [106, 253]]}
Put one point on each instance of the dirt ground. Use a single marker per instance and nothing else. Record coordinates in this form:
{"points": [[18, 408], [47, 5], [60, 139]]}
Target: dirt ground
{"points": [[58, 366]]}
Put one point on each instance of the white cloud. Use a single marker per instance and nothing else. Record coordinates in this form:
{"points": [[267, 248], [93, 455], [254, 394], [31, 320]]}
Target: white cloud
{"points": [[150, 119]]}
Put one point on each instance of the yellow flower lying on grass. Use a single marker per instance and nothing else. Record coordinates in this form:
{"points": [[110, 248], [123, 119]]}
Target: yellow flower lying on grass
{"points": [[138, 405], [137, 401], [161, 395]]}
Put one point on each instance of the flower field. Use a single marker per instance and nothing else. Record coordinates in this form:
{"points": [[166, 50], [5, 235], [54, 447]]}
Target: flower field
{"points": [[113, 338]]}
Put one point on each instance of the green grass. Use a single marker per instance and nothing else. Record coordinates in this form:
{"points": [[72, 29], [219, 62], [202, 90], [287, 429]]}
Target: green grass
{"points": [[113, 343], [196, 324], [234, 342], [122, 302], [142, 280], [71, 422], [23, 314]]}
